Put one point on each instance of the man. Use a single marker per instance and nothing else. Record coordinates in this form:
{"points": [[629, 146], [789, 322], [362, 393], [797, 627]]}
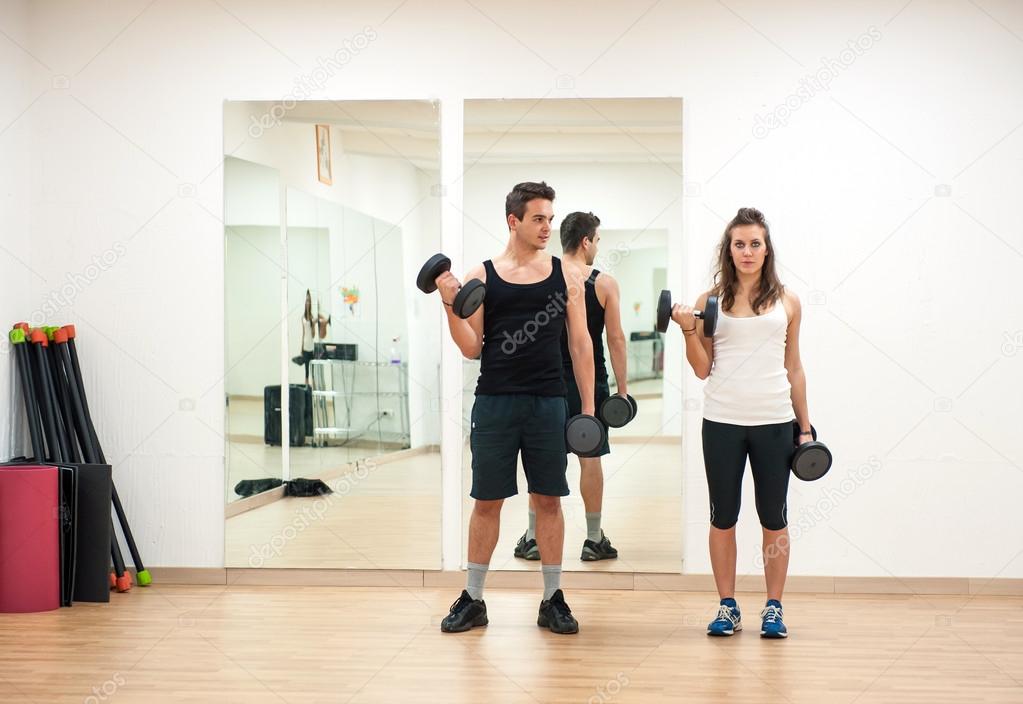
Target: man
{"points": [[580, 239], [520, 396]]}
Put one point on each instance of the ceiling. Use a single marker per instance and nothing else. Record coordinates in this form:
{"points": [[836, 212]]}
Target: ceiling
{"points": [[607, 130]]}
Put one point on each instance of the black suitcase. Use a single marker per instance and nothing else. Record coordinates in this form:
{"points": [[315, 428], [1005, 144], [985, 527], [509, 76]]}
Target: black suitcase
{"points": [[300, 397]]}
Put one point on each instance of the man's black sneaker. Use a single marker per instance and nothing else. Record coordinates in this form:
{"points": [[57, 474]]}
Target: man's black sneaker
{"points": [[555, 615], [465, 613], [527, 549], [602, 550]]}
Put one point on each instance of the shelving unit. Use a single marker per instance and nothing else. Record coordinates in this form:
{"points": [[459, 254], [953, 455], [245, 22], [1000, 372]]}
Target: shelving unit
{"points": [[646, 358], [338, 383]]}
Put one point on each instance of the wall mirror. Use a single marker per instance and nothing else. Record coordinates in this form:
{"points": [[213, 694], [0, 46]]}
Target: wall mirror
{"points": [[620, 159], [330, 210]]}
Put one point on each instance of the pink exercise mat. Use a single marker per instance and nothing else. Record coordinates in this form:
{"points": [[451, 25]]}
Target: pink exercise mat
{"points": [[29, 539]]}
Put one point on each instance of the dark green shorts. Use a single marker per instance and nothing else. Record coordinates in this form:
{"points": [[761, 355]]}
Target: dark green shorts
{"points": [[575, 405], [506, 424]]}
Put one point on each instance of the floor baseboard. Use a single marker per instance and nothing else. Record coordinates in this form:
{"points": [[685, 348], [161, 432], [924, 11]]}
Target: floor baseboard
{"points": [[638, 581]]}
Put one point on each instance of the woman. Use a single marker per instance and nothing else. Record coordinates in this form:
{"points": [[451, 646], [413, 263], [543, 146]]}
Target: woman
{"points": [[308, 335], [755, 388]]}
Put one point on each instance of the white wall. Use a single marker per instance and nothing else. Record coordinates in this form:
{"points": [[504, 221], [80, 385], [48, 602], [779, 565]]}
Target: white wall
{"points": [[21, 79], [851, 184]]}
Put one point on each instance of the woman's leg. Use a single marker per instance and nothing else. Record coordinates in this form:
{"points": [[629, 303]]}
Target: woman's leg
{"points": [[770, 456], [722, 560], [724, 458], [776, 561]]}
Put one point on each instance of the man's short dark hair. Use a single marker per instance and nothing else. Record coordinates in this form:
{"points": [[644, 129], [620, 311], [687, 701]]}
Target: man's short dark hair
{"points": [[515, 203], [575, 227]]}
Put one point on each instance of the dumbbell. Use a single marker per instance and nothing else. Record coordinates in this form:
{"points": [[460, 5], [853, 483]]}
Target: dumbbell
{"points": [[709, 314], [618, 410], [470, 294], [811, 460], [584, 435]]}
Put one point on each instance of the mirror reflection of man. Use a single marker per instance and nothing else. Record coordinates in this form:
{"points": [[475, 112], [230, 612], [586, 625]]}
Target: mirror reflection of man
{"points": [[520, 407], [579, 240]]}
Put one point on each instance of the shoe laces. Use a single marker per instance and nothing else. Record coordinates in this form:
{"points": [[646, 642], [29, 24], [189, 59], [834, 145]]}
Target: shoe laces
{"points": [[462, 599], [771, 614], [725, 613], [561, 607]]}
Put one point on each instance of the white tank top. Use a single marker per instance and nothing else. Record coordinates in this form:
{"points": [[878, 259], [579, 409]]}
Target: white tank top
{"points": [[748, 383], [308, 334]]}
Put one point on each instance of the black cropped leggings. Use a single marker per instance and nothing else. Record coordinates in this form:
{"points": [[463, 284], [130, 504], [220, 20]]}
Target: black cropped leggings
{"points": [[725, 448]]}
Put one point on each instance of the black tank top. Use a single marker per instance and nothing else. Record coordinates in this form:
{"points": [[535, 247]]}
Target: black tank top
{"points": [[595, 326], [522, 324]]}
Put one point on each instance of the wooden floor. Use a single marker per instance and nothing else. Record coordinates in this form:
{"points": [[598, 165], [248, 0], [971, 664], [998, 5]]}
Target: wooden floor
{"points": [[265, 644]]}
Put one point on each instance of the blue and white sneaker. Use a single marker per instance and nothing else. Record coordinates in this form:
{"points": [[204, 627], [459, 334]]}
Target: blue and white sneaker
{"points": [[773, 627], [728, 621]]}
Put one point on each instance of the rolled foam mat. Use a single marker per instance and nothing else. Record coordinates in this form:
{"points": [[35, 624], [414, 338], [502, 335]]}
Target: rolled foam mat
{"points": [[29, 540]]}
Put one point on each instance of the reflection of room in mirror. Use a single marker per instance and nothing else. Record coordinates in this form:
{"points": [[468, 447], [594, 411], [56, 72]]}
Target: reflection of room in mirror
{"points": [[619, 159], [252, 269], [357, 354], [346, 345]]}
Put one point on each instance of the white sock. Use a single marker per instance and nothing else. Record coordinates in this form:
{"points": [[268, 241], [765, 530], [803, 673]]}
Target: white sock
{"points": [[477, 575], [551, 580]]}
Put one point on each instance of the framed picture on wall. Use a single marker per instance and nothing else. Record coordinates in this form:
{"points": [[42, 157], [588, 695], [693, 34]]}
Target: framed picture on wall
{"points": [[323, 166]]}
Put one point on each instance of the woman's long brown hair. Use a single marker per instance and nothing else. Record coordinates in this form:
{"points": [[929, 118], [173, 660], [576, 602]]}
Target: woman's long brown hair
{"points": [[726, 279]]}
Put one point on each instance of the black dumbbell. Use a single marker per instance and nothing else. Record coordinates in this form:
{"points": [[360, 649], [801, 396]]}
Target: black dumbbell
{"points": [[811, 460], [709, 314], [584, 435], [618, 410], [470, 295]]}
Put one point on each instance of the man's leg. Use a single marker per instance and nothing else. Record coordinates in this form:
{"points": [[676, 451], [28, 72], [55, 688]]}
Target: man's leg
{"points": [[591, 486], [494, 446], [469, 610], [591, 483], [528, 546], [550, 536], [545, 462], [484, 530]]}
